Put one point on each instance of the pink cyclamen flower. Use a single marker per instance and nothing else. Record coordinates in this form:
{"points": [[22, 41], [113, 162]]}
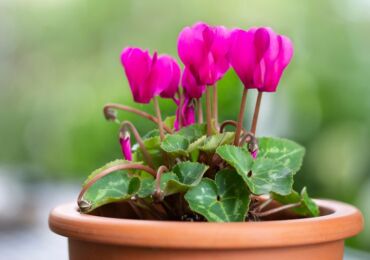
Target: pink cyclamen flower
{"points": [[125, 142], [259, 57], [186, 113], [254, 154], [204, 51], [150, 76], [191, 88]]}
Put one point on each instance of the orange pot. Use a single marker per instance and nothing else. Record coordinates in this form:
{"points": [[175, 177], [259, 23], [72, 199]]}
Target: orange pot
{"points": [[94, 237]]}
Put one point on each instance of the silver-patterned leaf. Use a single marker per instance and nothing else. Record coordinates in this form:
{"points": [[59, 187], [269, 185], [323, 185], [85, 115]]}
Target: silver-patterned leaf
{"points": [[224, 200]]}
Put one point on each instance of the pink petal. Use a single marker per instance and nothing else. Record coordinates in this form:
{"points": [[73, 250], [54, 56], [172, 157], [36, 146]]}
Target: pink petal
{"points": [[125, 143], [243, 56], [168, 76], [191, 46], [190, 85], [275, 69], [137, 65]]}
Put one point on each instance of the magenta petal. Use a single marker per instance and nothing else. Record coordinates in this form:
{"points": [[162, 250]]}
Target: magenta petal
{"points": [[204, 51], [137, 66], [275, 68], [254, 154], [168, 76], [190, 85], [187, 113], [125, 143], [191, 46], [243, 56]]}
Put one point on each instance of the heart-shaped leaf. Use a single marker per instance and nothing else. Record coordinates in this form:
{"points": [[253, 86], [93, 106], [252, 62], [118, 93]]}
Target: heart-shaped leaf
{"points": [[262, 175], [182, 177], [224, 200], [188, 174], [117, 186], [212, 142], [175, 145], [193, 132], [308, 207], [288, 153]]}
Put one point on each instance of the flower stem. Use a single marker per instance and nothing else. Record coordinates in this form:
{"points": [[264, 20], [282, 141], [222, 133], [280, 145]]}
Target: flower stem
{"points": [[107, 110], [276, 210], [147, 157], [208, 111], [240, 117], [215, 106], [226, 123], [199, 110], [263, 205], [159, 117], [158, 195], [256, 112]]}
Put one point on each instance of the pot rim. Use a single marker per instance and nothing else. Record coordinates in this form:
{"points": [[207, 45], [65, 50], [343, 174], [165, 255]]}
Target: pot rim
{"points": [[344, 222]]}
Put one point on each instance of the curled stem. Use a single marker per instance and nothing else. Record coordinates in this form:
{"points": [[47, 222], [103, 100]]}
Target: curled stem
{"points": [[226, 123], [208, 111], [126, 166], [256, 112], [240, 117], [276, 210], [215, 106], [199, 110], [158, 194], [109, 115], [124, 127], [159, 117]]}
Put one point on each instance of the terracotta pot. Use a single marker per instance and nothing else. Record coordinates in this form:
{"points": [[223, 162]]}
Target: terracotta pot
{"points": [[94, 237]]}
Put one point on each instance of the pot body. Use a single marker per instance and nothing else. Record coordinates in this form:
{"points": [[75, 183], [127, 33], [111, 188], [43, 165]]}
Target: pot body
{"points": [[95, 237], [79, 250]]}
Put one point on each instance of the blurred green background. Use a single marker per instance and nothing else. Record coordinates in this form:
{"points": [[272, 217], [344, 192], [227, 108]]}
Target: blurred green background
{"points": [[59, 64]]}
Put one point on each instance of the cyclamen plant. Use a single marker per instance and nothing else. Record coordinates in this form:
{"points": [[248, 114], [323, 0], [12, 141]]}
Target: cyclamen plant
{"points": [[194, 171]]}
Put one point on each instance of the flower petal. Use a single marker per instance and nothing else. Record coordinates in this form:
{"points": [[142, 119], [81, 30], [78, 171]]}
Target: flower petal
{"points": [[125, 143], [190, 85], [137, 66], [243, 56]]}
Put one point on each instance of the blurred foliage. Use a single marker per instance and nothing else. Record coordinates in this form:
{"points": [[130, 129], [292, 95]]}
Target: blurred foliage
{"points": [[59, 64]]}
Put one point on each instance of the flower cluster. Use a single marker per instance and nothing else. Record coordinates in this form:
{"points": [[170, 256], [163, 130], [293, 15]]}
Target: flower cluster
{"points": [[192, 170], [258, 56]]}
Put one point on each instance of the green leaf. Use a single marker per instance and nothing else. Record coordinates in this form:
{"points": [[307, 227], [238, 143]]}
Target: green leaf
{"points": [[194, 146], [188, 174], [237, 157], [212, 142], [269, 175], [224, 200], [288, 153], [308, 207], [117, 186], [170, 122], [175, 145], [151, 133], [262, 175], [146, 185], [152, 145], [193, 132], [108, 165]]}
